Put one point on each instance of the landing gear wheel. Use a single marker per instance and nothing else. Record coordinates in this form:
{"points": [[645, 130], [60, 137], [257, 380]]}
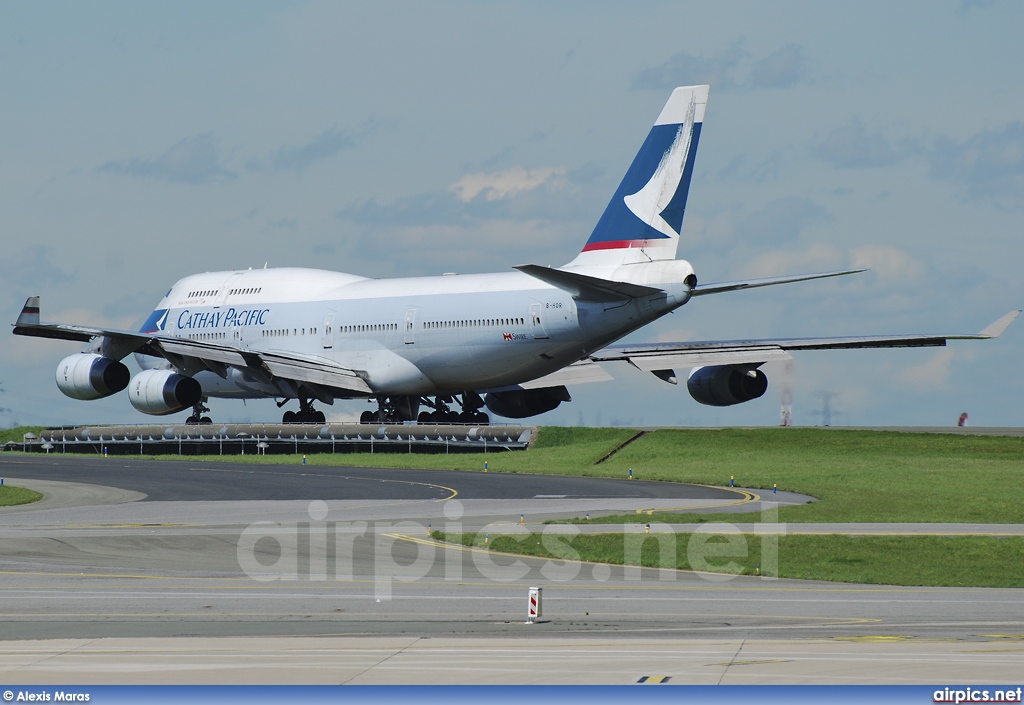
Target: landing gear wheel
{"points": [[367, 417], [305, 414], [197, 415], [425, 417]]}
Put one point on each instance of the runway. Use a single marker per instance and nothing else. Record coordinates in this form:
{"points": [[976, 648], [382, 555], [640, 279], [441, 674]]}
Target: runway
{"points": [[168, 565]]}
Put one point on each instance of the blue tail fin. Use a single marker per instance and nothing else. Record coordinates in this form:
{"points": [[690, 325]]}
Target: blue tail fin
{"points": [[643, 220]]}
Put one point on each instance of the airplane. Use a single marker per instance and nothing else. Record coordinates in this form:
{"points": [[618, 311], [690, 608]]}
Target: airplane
{"points": [[510, 342]]}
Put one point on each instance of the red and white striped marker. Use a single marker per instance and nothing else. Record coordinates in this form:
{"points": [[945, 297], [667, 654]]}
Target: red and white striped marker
{"points": [[533, 605]]}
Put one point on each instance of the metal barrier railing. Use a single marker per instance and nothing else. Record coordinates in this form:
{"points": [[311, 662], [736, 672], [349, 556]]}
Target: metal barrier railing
{"points": [[262, 439]]}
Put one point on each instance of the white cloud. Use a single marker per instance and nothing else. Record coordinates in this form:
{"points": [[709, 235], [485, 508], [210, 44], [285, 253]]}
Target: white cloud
{"points": [[510, 183], [889, 263], [930, 375], [817, 257]]}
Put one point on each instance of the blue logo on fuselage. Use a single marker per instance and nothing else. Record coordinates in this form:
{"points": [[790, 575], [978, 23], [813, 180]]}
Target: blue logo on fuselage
{"points": [[230, 318], [156, 321]]}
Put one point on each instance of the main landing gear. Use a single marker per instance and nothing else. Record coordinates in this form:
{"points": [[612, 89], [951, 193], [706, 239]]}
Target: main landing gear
{"points": [[305, 414], [396, 410], [197, 415]]}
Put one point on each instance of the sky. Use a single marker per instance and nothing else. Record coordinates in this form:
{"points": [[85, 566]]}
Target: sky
{"points": [[142, 142]]}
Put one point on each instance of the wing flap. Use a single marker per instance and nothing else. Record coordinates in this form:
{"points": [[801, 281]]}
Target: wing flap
{"points": [[754, 355], [201, 350], [581, 372], [660, 356], [314, 371]]}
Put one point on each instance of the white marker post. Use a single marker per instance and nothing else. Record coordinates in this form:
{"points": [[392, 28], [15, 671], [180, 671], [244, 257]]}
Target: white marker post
{"points": [[533, 606]]}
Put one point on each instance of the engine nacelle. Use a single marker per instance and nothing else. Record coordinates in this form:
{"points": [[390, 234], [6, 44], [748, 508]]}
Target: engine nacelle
{"points": [[519, 404], [725, 385], [161, 392], [90, 376]]}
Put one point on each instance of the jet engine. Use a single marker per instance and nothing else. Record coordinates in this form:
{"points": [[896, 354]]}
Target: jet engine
{"points": [[521, 403], [725, 385], [88, 376], [161, 392]]}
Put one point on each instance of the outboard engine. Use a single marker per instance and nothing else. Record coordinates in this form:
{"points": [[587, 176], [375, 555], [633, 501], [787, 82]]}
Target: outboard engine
{"points": [[521, 403], [88, 376], [725, 385], [161, 392]]}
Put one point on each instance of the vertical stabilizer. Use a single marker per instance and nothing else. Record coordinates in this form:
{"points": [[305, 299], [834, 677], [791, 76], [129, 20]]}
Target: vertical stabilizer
{"points": [[643, 220]]}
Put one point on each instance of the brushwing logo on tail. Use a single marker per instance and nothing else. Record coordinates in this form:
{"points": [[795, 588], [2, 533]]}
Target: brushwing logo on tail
{"points": [[646, 213], [650, 202]]}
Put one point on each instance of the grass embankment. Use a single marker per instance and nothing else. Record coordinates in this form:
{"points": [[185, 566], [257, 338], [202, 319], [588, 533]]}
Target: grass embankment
{"points": [[858, 476], [18, 433], [957, 561]]}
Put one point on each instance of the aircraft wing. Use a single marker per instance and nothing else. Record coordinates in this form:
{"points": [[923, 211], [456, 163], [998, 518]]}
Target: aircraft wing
{"points": [[666, 356], [191, 356]]}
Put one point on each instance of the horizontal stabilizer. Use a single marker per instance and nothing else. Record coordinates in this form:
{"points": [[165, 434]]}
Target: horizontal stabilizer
{"points": [[771, 281], [585, 288]]}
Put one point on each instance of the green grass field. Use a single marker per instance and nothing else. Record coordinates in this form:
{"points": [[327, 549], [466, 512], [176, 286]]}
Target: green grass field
{"points": [[975, 561], [10, 496]]}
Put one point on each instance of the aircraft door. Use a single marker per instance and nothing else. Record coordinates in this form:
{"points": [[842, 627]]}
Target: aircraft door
{"points": [[410, 325], [226, 288], [328, 337], [536, 324]]}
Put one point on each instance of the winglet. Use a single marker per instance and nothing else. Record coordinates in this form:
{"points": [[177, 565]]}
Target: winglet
{"points": [[996, 329], [30, 313]]}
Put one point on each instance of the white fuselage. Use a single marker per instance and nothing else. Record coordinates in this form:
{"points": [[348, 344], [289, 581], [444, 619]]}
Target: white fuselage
{"points": [[410, 336]]}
